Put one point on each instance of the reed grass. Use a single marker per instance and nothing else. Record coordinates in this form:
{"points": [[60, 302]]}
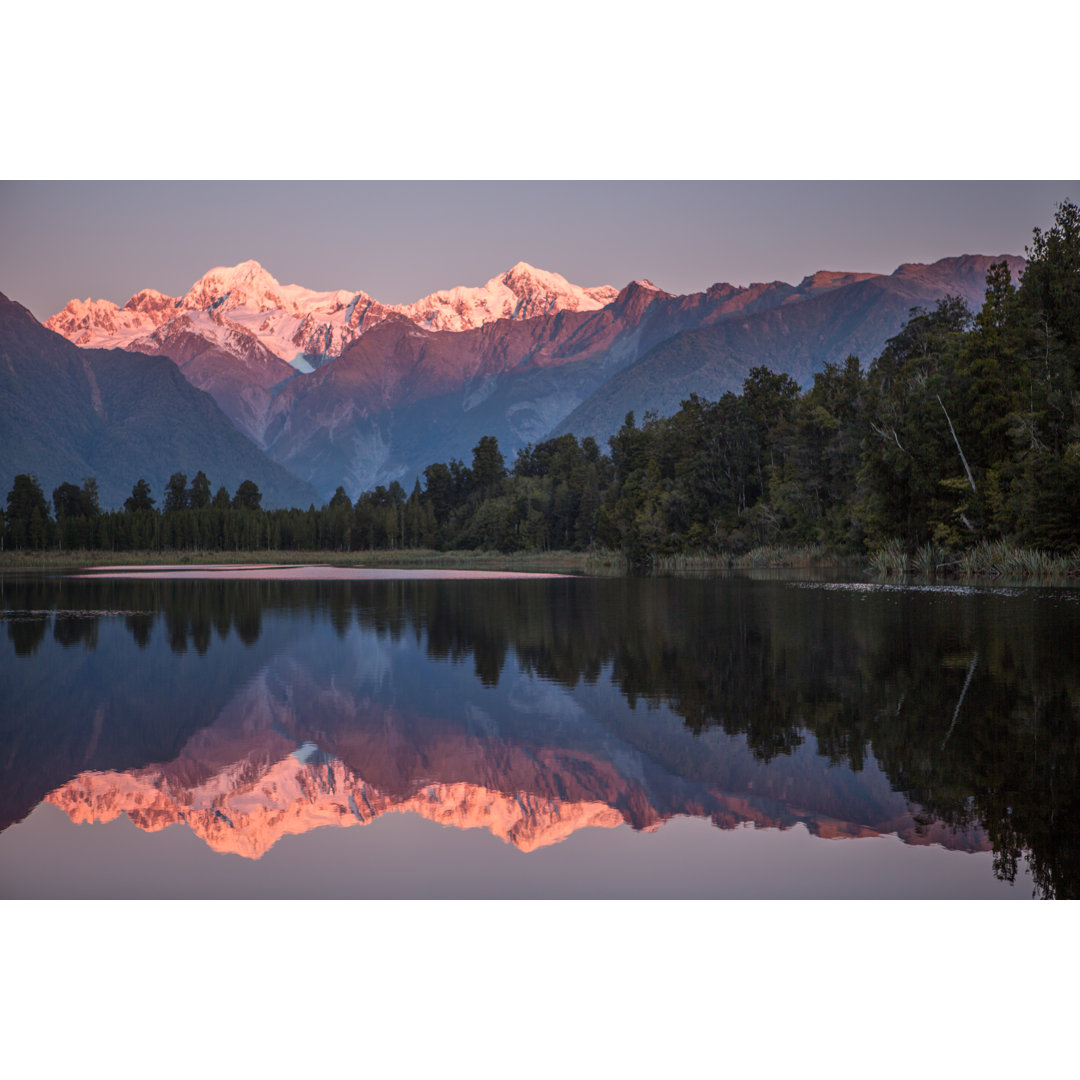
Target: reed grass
{"points": [[999, 558], [891, 559], [931, 560], [987, 559], [771, 556]]}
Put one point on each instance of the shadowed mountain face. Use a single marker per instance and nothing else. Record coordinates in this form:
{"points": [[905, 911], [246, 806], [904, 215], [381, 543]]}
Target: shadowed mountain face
{"points": [[67, 413], [343, 390], [845, 315], [532, 709], [399, 397]]}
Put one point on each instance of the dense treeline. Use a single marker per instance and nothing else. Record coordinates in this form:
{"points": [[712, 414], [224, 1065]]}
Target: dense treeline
{"points": [[190, 518], [966, 428]]}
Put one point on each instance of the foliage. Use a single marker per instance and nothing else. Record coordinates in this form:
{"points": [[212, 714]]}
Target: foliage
{"points": [[140, 498]]}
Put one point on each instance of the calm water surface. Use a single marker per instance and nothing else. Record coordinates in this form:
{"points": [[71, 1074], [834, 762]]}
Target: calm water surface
{"points": [[257, 734]]}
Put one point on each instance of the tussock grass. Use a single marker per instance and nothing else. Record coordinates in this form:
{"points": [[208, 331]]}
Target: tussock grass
{"points": [[987, 559], [891, 559], [999, 558], [931, 560]]}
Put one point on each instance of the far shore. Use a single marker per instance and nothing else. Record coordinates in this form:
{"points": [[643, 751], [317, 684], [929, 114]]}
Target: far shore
{"points": [[996, 561], [566, 562], [593, 563]]}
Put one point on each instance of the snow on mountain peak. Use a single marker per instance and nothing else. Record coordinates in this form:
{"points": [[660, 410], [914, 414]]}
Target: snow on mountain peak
{"points": [[525, 274], [522, 292], [525, 279], [101, 324], [247, 284], [151, 302], [298, 324]]}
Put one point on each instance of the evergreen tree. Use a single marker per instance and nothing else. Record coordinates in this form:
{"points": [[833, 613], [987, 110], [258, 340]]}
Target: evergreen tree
{"points": [[488, 466], [817, 488], [199, 497], [176, 493], [248, 496], [140, 498], [27, 518], [341, 500], [67, 501]]}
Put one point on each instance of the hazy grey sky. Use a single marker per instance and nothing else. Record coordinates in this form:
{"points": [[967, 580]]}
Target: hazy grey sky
{"points": [[398, 241]]}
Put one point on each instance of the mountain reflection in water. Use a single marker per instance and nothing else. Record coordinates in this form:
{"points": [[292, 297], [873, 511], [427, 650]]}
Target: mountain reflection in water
{"points": [[247, 710]]}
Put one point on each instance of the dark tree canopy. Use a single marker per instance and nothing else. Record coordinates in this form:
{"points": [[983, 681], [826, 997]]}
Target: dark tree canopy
{"points": [[140, 498], [199, 497], [27, 519], [248, 496], [176, 493]]}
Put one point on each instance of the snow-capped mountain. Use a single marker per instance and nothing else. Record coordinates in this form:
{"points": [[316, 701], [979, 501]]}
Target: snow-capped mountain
{"points": [[344, 390], [247, 807], [523, 292], [244, 309]]}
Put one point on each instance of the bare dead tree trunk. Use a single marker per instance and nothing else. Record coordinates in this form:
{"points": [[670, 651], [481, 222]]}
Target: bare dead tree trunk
{"points": [[971, 479], [963, 694]]}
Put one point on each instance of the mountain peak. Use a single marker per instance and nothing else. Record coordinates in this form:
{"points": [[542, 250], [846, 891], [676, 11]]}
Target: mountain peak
{"points": [[959, 266], [523, 276], [247, 271], [150, 301], [640, 288], [530, 282], [520, 268], [832, 279], [247, 282]]}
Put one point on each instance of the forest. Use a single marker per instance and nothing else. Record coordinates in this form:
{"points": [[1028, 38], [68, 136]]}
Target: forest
{"points": [[964, 431]]}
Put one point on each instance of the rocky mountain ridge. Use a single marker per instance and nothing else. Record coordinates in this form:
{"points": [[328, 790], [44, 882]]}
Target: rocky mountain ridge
{"points": [[344, 390], [304, 327], [249, 805]]}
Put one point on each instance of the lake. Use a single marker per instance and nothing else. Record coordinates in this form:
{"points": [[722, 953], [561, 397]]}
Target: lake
{"points": [[312, 733]]}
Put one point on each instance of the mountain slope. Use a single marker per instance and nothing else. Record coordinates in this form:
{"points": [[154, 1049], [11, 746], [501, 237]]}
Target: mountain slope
{"points": [[67, 413], [825, 325], [344, 390]]}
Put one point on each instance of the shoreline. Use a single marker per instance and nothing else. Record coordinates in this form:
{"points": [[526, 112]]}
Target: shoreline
{"points": [[986, 562]]}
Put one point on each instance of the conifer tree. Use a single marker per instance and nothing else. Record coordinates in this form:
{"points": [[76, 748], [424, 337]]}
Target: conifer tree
{"points": [[140, 498]]}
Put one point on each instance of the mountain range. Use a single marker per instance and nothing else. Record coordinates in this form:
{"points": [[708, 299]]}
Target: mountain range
{"points": [[340, 389], [68, 413]]}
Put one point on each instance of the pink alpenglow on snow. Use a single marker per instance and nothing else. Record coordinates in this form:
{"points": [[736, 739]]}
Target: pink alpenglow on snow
{"points": [[294, 323]]}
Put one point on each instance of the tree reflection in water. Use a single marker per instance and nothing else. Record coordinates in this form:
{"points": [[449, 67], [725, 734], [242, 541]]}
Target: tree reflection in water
{"points": [[965, 699]]}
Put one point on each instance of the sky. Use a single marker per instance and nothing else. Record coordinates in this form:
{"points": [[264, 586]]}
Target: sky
{"points": [[400, 240]]}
